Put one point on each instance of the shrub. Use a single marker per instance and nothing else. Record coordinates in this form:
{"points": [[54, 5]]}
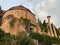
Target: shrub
{"points": [[23, 39], [1, 33], [45, 39]]}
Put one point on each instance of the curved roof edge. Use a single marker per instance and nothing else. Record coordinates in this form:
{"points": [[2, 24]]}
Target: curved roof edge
{"points": [[19, 8]]}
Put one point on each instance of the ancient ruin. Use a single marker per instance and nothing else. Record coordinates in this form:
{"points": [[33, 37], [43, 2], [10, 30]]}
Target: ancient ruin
{"points": [[13, 22]]}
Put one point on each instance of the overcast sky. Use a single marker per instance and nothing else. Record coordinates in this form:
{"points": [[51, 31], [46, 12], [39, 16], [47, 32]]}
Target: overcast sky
{"points": [[42, 8]]}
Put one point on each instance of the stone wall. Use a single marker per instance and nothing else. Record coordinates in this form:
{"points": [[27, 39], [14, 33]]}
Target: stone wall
{"points": [[17, 14]]}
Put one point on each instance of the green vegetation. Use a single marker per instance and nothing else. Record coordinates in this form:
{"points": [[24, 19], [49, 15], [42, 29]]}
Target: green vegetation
{"points": [[45, 39], [26, 22], [4, 38], [20, 39], [23, 39], [40, 24], [12, 22], [23, 20], [42, 39], [43, 26]]}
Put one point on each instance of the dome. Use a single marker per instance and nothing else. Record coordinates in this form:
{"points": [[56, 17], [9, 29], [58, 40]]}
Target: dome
{"points": [[20, 8]]}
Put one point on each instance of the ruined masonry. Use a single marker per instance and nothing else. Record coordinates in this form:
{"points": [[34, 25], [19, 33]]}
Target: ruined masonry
{"points": [[17, 13]]}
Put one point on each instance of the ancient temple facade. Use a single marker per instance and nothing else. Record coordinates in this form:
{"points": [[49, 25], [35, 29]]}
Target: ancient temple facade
{"points": [[14, 15]]}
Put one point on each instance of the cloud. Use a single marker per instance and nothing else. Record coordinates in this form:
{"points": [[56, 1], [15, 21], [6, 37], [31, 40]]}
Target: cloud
{"points": [[43, 8], [58, 11], [47, 8], [54, 19]]}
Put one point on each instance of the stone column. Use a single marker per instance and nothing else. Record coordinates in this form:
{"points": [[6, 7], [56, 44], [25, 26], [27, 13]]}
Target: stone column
{"points": [[54, 31], [49, 25]]}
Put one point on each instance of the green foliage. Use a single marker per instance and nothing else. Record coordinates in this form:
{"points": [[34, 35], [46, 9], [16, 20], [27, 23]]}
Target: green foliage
{"points": [[45, 39], [40, 24], [12, 22], [21, 35], [25, 20], [1, 33], [45, 29], [55, 40], [24, 39], [20, 39], [5, 40], [43, 26]]}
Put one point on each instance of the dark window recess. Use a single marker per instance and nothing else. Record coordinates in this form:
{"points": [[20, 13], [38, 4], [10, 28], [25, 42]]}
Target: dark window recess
{"points": [[41, 29], [31, 29]]}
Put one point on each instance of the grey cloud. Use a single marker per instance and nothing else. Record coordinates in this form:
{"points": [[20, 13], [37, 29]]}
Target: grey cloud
{"points": [[51, 7]]}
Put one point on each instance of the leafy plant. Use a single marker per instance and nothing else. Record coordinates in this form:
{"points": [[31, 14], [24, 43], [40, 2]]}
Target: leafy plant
{"points": [[1, 33], [45, 26], [23, 39], [45, 39], [26, 22], [12, 22], [40, 24]]}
